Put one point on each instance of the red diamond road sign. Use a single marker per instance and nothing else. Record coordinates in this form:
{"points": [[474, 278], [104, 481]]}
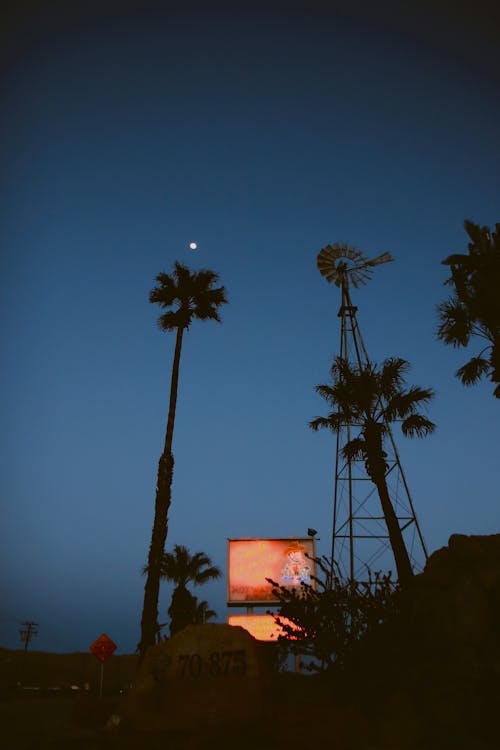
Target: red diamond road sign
{"points": [[103, 647]]}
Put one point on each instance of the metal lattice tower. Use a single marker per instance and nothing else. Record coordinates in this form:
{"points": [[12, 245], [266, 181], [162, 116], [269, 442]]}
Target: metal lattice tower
{"points": [[359, 533]]}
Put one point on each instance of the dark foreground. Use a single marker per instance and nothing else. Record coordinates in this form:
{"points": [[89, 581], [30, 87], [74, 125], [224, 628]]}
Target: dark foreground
{"points": [[429, 681], [62, 711], [300, 713], [82, 722]]}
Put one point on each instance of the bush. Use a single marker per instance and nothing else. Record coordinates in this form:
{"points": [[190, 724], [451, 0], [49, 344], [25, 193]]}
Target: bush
{"points": [[327, 622]]}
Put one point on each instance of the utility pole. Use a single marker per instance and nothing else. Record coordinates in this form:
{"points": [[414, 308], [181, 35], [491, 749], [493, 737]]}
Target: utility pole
{"points": [[27, 631]]}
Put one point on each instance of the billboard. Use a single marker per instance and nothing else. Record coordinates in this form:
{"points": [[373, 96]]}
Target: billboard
{"points": [[262, 627], [251, 561]]}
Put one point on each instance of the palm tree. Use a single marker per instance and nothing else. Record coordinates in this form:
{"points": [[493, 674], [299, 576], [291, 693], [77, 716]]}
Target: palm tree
{"points": [[192, 295], [474, 307], [181, 567], [203, 614], [373, 398]]}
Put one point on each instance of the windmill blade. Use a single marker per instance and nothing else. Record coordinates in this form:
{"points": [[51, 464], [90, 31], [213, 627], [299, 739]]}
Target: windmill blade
{"points": [[360, 275], [326, 261], [341, 263], [332, 265], [384, 258]]}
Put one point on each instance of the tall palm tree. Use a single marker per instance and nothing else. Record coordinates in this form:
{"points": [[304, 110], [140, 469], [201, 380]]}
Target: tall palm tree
{"points": [[181, 567], [192, 295], [473, 310], [373, 398]]}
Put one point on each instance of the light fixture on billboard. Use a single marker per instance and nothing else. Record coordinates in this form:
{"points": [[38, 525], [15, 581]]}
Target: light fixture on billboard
{"points": [[311, 532]]}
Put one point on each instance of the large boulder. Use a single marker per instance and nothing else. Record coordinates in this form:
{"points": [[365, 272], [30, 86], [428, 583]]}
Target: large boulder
{"points": [[455, 603], [205, 675], [436, 671]]}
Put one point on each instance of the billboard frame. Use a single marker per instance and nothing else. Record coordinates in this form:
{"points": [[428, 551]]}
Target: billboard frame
{"points": [[271, 602]]}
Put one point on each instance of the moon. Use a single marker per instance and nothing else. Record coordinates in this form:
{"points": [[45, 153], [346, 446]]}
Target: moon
{"points": [[193, 245]]}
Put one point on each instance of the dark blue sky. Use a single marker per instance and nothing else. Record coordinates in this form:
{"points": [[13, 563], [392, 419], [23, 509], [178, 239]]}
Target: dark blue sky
{"points": [[262, 133]]}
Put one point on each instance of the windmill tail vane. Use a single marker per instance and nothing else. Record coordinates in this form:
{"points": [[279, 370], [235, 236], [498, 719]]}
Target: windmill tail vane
{"points": [[384, 258]]}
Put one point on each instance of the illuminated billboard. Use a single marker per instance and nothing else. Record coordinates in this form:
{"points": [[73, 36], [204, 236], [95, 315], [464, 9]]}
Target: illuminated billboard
{"points": [[251, 561], [262, 627]]}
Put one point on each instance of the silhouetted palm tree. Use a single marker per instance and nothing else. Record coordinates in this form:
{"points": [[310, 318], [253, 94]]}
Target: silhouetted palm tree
{"points": [[203, 614], [181, 567], [474, 307], [192, 295], [372, 398]]}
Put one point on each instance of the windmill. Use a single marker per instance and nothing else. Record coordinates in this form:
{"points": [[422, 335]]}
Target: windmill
{"points": [[359, 534]]}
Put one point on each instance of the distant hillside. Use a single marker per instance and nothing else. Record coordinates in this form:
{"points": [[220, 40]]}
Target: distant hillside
{"points": [[42, 669]]}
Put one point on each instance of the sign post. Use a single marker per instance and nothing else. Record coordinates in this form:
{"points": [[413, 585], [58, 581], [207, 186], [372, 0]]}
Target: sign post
{"points": [[103, 647]]}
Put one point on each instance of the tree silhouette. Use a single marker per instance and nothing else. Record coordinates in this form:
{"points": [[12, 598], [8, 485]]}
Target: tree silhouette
{"points": [[181, 567], [473, 310], [328, 621], [203, 614], [373, 398], [192, 295]]}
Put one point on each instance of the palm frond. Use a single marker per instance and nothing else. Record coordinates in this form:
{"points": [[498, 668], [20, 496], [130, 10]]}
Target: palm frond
{"points": [[480, 236], [199, 559], [457, 259], [333, 422], [207, 574], [205, 279], [474, 310], [326, 392], [416, 425], [364, 390], [340, 369], [175, 565], [180, 567], [403, 403], [473, 370], [495, 361], [354, 449], [339, 395], [392, 374], [206, 307], [166, 293], [353, 390], [455, 327], [172, 320], [184, 279]]}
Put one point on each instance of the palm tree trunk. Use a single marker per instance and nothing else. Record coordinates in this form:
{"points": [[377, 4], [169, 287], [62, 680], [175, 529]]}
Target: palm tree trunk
{"points": [[376, 467], [149, 621], [402, 560]]}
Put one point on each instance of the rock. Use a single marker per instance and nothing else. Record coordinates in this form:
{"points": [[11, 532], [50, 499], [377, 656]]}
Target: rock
{"points": [[451, 620], [205, 675]]}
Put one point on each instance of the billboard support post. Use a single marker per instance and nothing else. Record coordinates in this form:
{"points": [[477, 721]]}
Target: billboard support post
{"points": [[288, 562]]}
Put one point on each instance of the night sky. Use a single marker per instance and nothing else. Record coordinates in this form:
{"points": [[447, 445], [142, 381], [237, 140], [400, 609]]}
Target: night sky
{"points": [[263, 132]]}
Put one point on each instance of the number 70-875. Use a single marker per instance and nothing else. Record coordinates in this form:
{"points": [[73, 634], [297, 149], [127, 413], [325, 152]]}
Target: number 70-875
{"points": [[216, 664]]}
